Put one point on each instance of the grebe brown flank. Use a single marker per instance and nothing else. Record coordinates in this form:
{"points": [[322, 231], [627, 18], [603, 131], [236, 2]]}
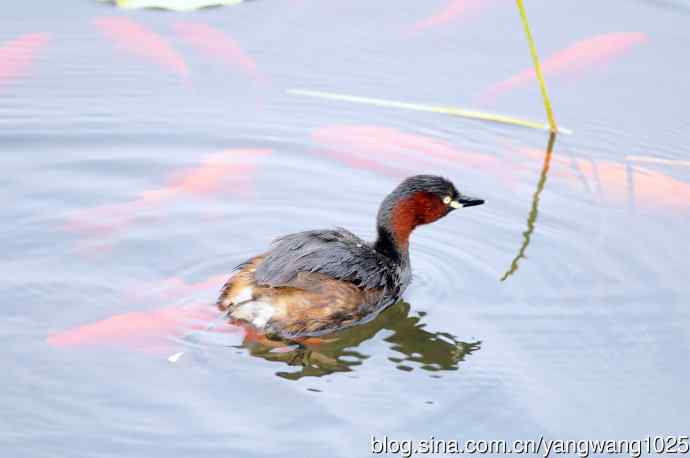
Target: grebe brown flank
{"points": [[315, 282]]}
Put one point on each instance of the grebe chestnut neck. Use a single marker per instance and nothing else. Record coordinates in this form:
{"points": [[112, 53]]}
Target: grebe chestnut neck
{"points": [[316, 282]]}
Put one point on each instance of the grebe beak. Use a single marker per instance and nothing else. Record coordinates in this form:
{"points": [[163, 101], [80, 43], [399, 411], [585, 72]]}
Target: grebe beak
{"points": [[466, 201]]}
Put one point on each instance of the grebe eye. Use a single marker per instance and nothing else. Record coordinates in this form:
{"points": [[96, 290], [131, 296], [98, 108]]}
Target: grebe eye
{"points": [[446, 200]]}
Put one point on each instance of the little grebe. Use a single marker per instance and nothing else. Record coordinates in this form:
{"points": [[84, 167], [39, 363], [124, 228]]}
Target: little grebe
{"points": [[315, 282]]}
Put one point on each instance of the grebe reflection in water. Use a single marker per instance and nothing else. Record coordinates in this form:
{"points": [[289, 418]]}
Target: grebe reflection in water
{"points": [[413, 347]]}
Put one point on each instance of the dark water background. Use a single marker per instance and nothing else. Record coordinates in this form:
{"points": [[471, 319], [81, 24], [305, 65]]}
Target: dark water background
{"points": [[110, 207]]}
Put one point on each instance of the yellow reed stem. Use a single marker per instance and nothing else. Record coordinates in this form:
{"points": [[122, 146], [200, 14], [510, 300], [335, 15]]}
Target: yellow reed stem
{"points": [[453, 111], [537, 68]]}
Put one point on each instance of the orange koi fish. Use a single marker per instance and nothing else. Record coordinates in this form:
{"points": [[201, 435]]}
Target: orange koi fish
{"points": [[217, 173], [653, 189], [619, 184], [583, 56], [17, 55], [452, 11], [154, 331], [394, 153], [142, 42], [218, 45], [648, 190], [138, 330]]}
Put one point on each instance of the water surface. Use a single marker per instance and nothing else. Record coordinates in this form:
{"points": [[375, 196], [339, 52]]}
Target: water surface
{"points": [[146, 153]]}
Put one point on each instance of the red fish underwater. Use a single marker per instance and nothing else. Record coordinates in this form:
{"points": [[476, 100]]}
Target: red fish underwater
{"points": [[230, 171], [140, 41], [16, 56], [583, 56], [394, 153], [618, 184], [154, 331], [454, 10], [149, 331], [218, 45]]}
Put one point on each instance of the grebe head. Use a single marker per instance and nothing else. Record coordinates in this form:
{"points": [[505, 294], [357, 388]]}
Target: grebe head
{"points": [[420, 199]]}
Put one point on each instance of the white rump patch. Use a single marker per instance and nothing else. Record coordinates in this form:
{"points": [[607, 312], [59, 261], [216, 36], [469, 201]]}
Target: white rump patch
{"points": [[257, 313], [243, 296]]}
